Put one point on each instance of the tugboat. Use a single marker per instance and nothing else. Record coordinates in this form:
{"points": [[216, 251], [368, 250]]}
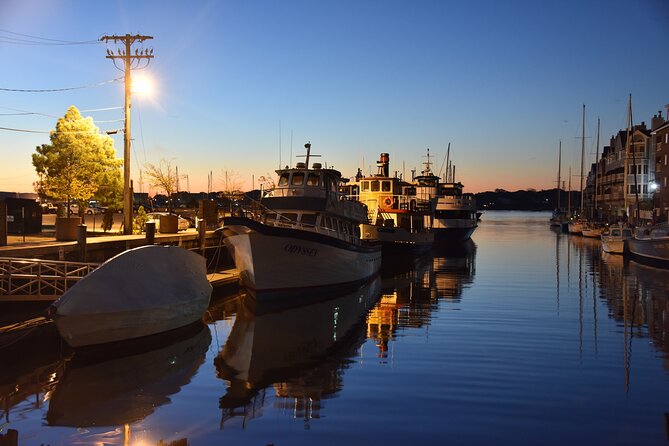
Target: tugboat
{"points": [[455, 216], [303, 234], [397, 217]]}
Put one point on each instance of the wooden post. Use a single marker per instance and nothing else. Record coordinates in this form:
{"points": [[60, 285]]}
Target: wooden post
{"points": [[81, 241], [3, 223], [150, 232], [202, 230]]}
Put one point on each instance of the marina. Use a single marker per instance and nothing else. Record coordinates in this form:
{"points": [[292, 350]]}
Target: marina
{"points": [[565, 344]]}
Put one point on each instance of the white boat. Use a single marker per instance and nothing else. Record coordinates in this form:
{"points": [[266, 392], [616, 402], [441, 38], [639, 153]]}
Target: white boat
{"points": [[651, 243], [615, 241], [591, 231], [455, 217], [140, 292], [397, 218], [305, 233]]}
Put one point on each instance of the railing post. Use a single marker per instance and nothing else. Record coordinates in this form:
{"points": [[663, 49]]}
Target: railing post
{"points": [[150, 232], [202, 230], [81, 241]]}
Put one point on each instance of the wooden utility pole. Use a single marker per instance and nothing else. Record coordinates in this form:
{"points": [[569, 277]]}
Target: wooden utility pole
{"points": [[125, 53]]}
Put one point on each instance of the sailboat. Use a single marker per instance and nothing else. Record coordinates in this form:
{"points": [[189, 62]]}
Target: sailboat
{"points": [[559, 216], [576, 225]]}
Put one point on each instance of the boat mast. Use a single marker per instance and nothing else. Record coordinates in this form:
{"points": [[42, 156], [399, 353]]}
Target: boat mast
{"points": [[636, 169], [558, 179], [569, 195], [627, 152], [580, 211], [594, 208]]}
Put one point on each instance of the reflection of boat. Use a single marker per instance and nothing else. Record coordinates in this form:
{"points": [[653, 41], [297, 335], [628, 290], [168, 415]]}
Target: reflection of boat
{"points": [[140, 292], [454, 268], [651, 243], [306, 234], [288, 348], [127, 389], [615, 241], [397, 218]]}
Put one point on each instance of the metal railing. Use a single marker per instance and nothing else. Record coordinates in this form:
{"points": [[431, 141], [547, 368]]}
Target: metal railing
{"points": [[35, 277]]}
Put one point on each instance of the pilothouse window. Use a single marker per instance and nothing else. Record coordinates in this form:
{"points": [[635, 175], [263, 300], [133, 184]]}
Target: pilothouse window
{"points": [[298, 179], [312, 179], [283, 179], [375, 186], [385, 186]]}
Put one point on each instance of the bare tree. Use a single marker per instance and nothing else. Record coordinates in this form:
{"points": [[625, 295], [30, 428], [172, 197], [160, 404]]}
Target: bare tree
{"points": [[232, 185], [163, 177]]}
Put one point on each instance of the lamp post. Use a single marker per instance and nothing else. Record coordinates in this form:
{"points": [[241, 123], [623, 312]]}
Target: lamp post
{"points": [[653, 187]]}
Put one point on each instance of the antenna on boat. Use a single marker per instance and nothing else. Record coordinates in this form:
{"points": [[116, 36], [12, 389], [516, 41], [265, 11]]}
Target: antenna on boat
{"points": [[308, 155], [427, 163], [446, 161]]}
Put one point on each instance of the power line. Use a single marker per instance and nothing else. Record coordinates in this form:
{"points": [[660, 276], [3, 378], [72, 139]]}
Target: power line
{"points": [[49, 132], [63, 89], [41, 40]]}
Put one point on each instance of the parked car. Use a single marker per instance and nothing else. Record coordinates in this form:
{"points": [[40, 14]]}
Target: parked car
{"points": [[95, 210], [183, 223], [49, 208]]}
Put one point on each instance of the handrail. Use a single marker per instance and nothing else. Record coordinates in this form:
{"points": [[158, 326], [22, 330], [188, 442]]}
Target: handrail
{"points": [[36, 277]]}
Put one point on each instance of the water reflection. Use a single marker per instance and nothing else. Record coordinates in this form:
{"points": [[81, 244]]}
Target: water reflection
{"points": [[301, 352], [409, 296], [120, 390]]}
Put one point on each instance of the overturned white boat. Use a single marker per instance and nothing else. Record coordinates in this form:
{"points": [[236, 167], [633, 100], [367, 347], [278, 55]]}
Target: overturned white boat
{"points": [[140, 292]]}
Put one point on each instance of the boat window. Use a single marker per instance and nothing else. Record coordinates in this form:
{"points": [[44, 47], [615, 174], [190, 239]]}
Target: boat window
{"points": [[298, 179], [309, 219], [283, 179], [288, 216], [375, 186], [385, 186], [365, 186], [312, 179]]}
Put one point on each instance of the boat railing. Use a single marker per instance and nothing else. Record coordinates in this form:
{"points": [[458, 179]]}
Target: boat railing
{"points": [[40, 278], [394, 202]]}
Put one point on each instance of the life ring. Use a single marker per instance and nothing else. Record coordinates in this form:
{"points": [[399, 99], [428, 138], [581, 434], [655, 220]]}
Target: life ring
{"points": [[388, 202]]}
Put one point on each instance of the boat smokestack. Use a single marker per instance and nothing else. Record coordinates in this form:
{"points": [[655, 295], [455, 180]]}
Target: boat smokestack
{"points": [[384, 165]]}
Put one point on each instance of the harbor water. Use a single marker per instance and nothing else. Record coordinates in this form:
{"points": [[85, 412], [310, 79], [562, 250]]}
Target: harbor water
{"points": [[524, 336]]}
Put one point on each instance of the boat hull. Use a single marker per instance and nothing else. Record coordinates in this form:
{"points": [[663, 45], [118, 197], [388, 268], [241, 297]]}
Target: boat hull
{"points": [[452, 235], [275, 259], [398, 241], [614, 246], [653, 249], [140, 292]]}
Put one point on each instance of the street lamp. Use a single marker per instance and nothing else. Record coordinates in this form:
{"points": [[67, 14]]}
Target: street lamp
{"points": [[653, 187]]}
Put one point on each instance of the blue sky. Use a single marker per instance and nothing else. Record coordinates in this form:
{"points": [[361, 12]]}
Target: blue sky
{"points": [[502, 81]]}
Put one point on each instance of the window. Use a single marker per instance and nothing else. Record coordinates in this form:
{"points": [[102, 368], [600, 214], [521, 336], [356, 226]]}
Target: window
{"points": [[665, 158], [375, 186], [385, 186], [312, 179], [645, 169], [309, 219], [645, 188], [283, 179], [298, 179], [365, 184]]}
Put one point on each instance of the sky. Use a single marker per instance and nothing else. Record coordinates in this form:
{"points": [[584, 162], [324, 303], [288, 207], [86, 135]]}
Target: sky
{"points": [[240, 86]]}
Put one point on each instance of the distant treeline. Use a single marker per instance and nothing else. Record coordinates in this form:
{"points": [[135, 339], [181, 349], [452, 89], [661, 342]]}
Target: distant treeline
{"points": [[526, 200]]}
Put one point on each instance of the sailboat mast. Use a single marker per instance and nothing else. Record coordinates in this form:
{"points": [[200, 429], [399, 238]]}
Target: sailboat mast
{"points": [[580, 211], [636, 169], [594, 208], [558, 179], [448, 163], [569, 194], [627, 151]]}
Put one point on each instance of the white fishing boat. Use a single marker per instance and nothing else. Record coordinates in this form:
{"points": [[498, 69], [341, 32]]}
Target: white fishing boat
{"points": [[304, 233], [397, 217], [615, 240], [455, 217], [140, 292], [651, 243]]}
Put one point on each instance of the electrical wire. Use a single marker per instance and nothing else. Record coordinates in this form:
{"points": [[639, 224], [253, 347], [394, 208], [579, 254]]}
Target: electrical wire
{"points": [[62, 89], [36, 40]]}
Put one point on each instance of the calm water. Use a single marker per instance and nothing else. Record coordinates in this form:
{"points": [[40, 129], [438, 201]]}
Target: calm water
{"points": [[523, 337]]}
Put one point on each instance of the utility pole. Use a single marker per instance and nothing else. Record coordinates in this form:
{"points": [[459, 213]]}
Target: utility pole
{"points": [[125, 53]]}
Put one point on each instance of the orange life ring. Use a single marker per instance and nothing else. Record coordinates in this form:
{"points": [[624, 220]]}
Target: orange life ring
{"points": [[388, 201]]}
